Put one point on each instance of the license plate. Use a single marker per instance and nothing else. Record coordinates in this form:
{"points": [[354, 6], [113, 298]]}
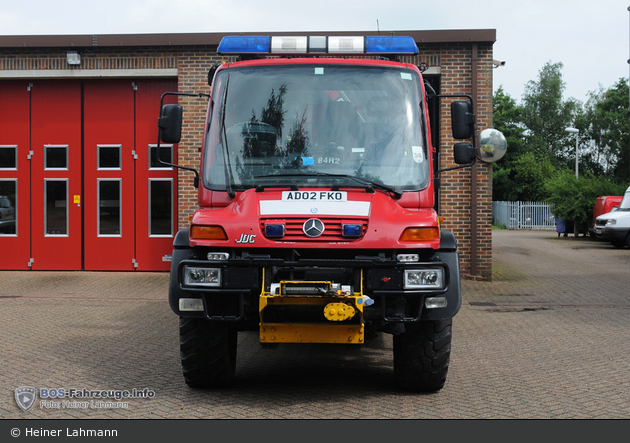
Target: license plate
{"points": [[598, 231], [311, 196]]}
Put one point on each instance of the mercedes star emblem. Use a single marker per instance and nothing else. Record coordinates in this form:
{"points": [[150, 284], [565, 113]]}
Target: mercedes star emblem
{"points": [[313, 227]]}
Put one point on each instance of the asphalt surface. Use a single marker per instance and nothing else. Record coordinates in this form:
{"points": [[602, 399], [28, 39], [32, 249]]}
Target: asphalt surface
{"points": [[546, 339]]}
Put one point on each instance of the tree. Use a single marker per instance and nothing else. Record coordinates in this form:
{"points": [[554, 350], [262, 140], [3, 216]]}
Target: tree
{"points": [[530, 173], [538, 144], [613, 112], [604, 129], [595, 155], [507, 118], [546, 115]]}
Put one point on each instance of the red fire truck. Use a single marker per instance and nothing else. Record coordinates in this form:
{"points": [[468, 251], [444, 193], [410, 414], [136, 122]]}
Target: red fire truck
{"points": [[316, 219]]}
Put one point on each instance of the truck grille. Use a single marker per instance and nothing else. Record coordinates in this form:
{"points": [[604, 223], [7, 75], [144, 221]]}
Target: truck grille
{"points": [[332, 232]]}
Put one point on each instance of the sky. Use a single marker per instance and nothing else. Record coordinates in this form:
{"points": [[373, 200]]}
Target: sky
{"points": [[590, 38]]}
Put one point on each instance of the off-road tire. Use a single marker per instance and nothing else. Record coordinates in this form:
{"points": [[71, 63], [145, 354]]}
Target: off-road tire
{"points": [[422, 354], [618, 243], [207, 351]]}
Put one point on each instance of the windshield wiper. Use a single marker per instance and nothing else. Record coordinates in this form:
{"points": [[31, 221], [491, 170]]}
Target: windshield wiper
{"points": [[365, 182], [223, 141]]}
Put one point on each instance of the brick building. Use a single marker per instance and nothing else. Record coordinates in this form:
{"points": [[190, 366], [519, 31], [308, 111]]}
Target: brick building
{"points": [[78, 123]]}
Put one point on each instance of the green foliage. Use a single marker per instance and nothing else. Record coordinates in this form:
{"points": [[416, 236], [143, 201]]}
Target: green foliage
{"points": [[573, 199], [546, 115], [524, 180], [540, 162], [530, 173], [507, 119], [604, 135], [502, 183]]}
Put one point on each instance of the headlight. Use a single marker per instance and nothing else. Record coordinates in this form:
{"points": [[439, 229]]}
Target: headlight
{"points": [[611, 222], [424, 278], [202, 276]]}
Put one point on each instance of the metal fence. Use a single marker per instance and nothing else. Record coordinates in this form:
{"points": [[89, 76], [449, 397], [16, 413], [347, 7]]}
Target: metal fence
{"points": [[523, 215]]}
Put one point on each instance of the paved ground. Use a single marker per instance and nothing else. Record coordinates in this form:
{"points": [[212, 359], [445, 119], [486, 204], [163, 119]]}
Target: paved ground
{"points": [[548, 338]]}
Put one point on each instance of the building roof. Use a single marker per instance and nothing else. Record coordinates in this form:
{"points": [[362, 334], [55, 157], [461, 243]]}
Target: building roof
{"points": [[196, 39]]}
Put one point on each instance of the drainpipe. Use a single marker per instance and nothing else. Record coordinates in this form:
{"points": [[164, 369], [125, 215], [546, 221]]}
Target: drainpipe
{"points": [[473, 173]]}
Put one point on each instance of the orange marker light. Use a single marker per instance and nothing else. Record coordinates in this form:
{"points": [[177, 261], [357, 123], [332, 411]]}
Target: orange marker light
{"points": [[208, 233], [419, 234]]}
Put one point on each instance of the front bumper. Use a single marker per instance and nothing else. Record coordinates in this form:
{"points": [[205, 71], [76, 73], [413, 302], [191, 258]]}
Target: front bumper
{"points": [[615, 234], [373, 286]]}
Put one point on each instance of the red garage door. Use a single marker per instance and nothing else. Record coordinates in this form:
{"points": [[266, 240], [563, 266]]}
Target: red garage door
{"points": [[109, 175], [55, 175], [84, 193], [156, 185], [15, 235]]}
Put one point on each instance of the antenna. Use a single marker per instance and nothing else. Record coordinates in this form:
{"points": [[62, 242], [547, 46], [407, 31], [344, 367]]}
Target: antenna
{"points": [[378, 29]]}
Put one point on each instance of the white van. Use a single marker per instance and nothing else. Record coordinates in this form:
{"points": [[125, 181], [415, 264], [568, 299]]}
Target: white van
{"points": [[615, 226]]}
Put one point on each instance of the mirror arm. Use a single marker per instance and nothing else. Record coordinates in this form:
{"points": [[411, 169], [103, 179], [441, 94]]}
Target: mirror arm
{"points": [[186, 94], [457, 167]]}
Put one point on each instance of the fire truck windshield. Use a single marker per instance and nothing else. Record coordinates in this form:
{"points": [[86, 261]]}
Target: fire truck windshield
{"points": [[326, 123]]}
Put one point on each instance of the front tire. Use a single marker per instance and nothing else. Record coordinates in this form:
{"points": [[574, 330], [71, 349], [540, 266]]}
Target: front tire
{"points": [[422, 354], [207, 351], [618, 243]]}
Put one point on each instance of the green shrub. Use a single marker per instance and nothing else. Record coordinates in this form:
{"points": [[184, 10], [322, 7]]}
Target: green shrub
{"points": [[573, 199]]}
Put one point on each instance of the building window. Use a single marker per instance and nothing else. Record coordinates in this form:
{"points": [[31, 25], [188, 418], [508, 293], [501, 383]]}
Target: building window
{"points": [[109, 207], [56, 157], [108, 156], [8, 157], [160, 207], [165, 154], [56, 207], [8, 207]]}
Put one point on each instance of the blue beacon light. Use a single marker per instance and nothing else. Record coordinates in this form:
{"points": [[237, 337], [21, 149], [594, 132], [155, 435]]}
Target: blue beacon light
{"points": [[391, 45], [317, 44], [351, 230], [241, 45], [274, 231]]}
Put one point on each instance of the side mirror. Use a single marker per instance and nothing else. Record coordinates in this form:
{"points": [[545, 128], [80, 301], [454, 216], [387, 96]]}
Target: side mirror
{"points": [[462, 119], [211, 72], [464, 153], [493, 145], [170, 124]]}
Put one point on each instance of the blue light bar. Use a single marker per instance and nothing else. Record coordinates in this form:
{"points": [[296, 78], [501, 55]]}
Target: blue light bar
{"points": [[317, 44], [390, 45], [244, 45]]}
